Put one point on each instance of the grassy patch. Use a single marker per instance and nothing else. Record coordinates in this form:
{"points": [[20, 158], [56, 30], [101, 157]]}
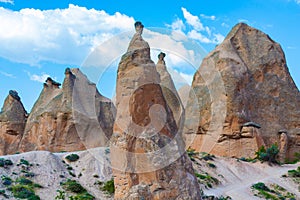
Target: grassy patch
{"points": [[274, 192], [74, 187], [207, 180]]}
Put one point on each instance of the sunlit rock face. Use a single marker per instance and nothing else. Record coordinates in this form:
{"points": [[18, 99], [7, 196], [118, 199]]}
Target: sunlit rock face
{"points": [[147, 151], [73, 117], [245, 80]]}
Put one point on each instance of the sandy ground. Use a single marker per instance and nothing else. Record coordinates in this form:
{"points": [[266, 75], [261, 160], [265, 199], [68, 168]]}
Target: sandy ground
{"points": [[236, 177]]}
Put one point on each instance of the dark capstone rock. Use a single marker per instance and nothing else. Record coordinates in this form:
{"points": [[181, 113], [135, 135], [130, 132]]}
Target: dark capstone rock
{"points": [[14, 94], [253, 124]]}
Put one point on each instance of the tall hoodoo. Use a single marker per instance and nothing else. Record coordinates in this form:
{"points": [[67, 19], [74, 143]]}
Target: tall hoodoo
{"points": [[169, 91], [12, 123], [147, 152], [260, 98]]}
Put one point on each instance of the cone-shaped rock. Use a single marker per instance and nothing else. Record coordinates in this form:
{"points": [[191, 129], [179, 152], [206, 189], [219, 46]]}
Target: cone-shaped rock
{"points": [[246, 98], [147, 153], [12, 123], [169, 91], [74, 117]]}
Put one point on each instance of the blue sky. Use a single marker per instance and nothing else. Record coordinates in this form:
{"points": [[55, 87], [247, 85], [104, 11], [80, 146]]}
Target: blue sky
{"points": [[42, 38]]}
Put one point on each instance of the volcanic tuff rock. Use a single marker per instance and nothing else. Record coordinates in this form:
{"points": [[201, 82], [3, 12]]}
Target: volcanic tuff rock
{"points": [[245, 79], [147, 153], [74, 117], [169, 90], [12, 123], [183, 93]]}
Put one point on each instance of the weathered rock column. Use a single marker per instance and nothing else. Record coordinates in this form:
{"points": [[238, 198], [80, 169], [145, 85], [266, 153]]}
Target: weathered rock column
{"points": [[12, 123], [147, 152]]}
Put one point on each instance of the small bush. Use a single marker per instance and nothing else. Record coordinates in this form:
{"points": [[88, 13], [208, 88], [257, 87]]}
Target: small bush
{"points": [[294, 173], [24, 162], [73, 186], [7, 181], [83, 196], [61, 195], [24, 192], [191, 153], [5, 162], [72, 157], [2, 193], [269, 155], [260, 186], [109, 187]]}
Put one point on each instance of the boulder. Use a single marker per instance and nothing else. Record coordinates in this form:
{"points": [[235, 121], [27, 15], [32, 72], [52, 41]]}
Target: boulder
{"points": [[147, 151], [12, 123], [245, 79]]}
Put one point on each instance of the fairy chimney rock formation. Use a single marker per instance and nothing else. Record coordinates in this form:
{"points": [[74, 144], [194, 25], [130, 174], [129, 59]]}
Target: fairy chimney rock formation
{"points": [[71, 118], [147, 153], [245, 79], [169, 90], [12, 123]]}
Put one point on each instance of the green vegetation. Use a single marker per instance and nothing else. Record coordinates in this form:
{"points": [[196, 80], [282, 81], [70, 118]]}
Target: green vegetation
{"points": [[2, 193], [109, 187], [6, 181], [192, 153], [207, 180], [206, 156], [211, 165], [24, 192], [23, 162], [275, 192], [269, 155], [5, 162], [61, 195], [247, 159], [74, 187], [72, 157], [294, 173]]}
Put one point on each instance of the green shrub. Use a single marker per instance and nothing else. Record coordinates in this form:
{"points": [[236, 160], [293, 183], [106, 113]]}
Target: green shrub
{"points": [[61, 195], [191, 153], [24, 192], [294, 173], [260, 186], [269, 155], [6, 180], [73, 186], [24, 162], [5, 162], [72, 157], [2, 193], [83, 196], [109, 187]]}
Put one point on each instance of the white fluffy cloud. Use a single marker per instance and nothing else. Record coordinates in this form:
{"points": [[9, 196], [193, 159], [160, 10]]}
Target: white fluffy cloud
{"points": [[62, 36], [195, 29], [7, 1], [39, 78], [192, 20]]}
